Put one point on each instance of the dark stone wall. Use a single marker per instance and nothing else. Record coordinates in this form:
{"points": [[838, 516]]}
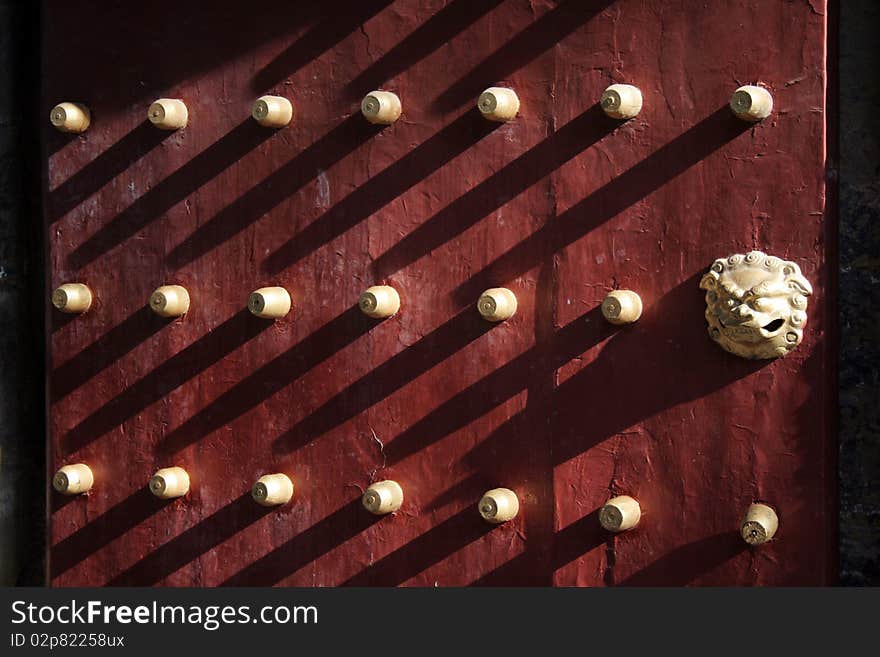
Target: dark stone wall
{"points": [[22, 428], [859, 293]]}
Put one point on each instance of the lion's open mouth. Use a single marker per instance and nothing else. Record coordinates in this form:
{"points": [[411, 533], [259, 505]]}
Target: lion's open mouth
{"points": [[775, 325]]}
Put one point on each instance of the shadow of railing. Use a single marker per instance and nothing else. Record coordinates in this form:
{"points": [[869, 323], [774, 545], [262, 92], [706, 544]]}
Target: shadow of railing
{"points": [[382, 381], [499, 188], [103, 530], [501, 384], [189, 545], [467, 489], [621, 192], [658, 341], [325, 535], [424, 551], [522, 48], [566, 545], [171, 374], [180, 184], [105, 351], [58, 320], [686, 563], [455, 17], [270, 378], [345, 138], [193, 38], [384, 187], [104, 168], [336, 22]]}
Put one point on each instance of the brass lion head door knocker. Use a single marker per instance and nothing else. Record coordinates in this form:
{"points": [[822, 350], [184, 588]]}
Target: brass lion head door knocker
{"points": [[756, 305]]}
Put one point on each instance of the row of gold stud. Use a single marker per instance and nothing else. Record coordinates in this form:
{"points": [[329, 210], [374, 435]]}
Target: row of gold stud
{"points": [[496, 506], [379, 301], [619, 101]]}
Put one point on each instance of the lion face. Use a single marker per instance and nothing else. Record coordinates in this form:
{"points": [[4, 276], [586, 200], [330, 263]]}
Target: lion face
{"points": [[756, 304]]}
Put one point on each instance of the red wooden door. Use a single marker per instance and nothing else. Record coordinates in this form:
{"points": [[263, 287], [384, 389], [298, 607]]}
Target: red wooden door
{"points": [[561, 205]]}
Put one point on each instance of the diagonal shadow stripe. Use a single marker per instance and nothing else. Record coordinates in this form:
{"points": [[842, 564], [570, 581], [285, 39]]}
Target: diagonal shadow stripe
{"points": [[192, 543], [623, 191], [534, 448], [424, 551], [174, 372], [273, 190], [270, 378], [338, 21], [117, 41], [59, 320], [455, 17], [541, 35], [101, 531], [499, 188], [686, 563], [54, 140], [104, 168], [500, 385], [660, 335], [382, 381], [105, 351], [325, 535], [463, 492], [205, 166], [577, 539], [381, 189], [59, 501]]}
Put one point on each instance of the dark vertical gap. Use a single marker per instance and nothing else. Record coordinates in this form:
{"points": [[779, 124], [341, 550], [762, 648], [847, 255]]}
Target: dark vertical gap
{"points": [[22, 287], [610, 561], [541, 397], [832, 256], [539, 520], [853, 98], [36, 572], [859, 209]]}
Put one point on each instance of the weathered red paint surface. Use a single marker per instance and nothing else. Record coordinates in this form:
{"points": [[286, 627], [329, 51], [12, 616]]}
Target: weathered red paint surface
{"points": [[561, 205]]}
